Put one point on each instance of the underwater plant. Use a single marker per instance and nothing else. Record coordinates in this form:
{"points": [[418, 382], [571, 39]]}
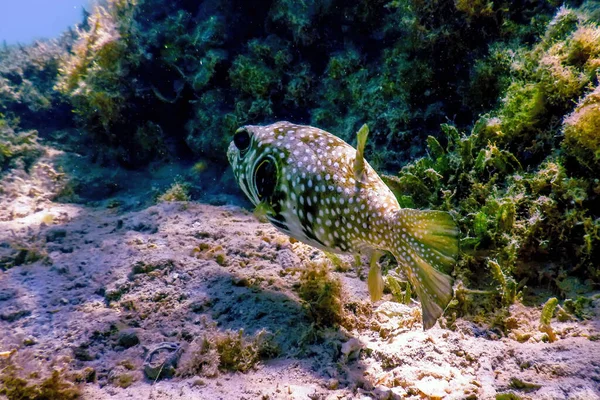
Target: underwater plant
{"points": [[27, 78], [178, 191], [582, 140], [55, 386], [17, 149], [227, 352], [95, 77], [547, 313], [519, 181], [322, 294]]}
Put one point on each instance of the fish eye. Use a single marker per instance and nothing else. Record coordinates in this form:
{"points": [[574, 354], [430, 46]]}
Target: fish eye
{"points": [[241, 139]]}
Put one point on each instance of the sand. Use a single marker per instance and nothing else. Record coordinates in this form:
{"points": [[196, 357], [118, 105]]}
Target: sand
{"points": [[117, 278]]}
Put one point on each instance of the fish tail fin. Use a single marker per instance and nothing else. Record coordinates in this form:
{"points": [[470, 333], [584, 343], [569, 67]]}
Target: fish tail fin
{"points": [[423, 242]]}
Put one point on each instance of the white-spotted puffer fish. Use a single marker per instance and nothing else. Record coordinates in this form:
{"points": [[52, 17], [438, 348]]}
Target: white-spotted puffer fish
{"points": [[319, 190]]}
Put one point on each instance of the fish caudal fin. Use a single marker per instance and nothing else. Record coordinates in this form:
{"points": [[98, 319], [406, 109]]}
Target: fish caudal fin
{"points": [[425, 241]]}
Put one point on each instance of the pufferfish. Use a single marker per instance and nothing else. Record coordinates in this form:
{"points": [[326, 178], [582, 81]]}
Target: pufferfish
{"points": [[319, 190]]}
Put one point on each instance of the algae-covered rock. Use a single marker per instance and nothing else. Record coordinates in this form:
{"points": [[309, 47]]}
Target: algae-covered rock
{"points": [[128, 338], [161, 362]]}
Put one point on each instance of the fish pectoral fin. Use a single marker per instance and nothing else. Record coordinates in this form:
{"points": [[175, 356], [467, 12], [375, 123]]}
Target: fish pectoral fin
{"points": [[375, 280], [359, 161], [263, 210]]}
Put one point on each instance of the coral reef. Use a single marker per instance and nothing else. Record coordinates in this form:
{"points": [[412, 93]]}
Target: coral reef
{"points": [[513, 84]]}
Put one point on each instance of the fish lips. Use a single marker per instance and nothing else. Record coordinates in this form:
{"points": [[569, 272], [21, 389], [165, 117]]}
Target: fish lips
{"points": [[233, 154]]}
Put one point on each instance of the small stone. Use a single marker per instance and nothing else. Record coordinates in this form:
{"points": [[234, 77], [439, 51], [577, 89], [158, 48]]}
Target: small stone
{"points": [[81, 353], [432, 388], [200, 305], [115, 290], [29, 341], [128, 338], [333, 384], [351, 349], [89, 374]]}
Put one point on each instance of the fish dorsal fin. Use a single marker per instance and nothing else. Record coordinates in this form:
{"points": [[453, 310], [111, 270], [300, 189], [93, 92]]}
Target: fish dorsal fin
{"points": [[359, 161]]}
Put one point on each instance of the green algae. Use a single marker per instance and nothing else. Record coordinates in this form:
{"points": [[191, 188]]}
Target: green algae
{"points": [[581, 131], [15, 387], [17, 148], [178, 191], [227, 351], [546, 317], [322, 294], [523, 196]]}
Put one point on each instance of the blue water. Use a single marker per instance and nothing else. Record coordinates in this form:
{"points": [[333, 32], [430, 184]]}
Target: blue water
{"points": [[23, 21]]}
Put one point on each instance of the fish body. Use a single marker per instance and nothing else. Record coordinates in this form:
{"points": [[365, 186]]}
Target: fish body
{"points": [[319, 190]]}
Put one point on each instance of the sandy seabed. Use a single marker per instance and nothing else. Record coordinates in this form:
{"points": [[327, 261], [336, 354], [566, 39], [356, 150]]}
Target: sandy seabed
{"points": [[93, 302]]}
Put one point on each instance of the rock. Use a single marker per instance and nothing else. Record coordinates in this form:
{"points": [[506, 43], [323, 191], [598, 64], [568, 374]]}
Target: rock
{"points": [[161, 362], [351, 349], [81, 353], [55, 235], [431, 388], [128, 338], [12, 314], [115, 290], [66, 249], [7, 294]]}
